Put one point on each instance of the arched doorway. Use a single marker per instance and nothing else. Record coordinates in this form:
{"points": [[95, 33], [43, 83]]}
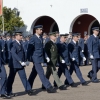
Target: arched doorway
{"points": [[49, 24], [83, 24]]}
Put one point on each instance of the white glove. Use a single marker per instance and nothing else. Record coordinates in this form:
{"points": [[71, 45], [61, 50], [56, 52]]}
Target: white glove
{"points": [[2, 50], [27, 63], [91, 56], [23, 63], [84, 59], [63, 61], [48, 60], [82, 50], [73, 59]]}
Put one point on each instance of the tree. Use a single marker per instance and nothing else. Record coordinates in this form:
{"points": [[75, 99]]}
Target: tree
{"points": [[11, 20]]}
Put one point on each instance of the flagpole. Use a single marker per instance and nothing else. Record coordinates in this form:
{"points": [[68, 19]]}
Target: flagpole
{"points": [[1, 14], [3, 23]]}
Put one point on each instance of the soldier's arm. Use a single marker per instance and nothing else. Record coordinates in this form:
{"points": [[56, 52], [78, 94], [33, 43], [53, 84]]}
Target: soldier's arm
{"points": [[70, 49], [47, 49], [82, 44], [30, 48], [13, 53], [81, 53], [90, 46], [59, 52]]}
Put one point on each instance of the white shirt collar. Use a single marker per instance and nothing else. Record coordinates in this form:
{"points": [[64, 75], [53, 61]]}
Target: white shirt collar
{"points": [[52, 41], [17, 41], [94, 35], [8, 39], [74, 41], [37, 35]]}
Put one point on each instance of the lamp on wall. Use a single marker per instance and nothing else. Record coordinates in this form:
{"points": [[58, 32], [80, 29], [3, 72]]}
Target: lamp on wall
{"points": [[78, 22]]}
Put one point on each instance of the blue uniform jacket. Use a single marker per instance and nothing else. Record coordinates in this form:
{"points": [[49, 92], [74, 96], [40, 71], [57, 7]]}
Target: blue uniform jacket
{"points": [[81, 43], [17, 55], [75, 51], [36, 50], [93, 46], [63, 51], [9, 44]]}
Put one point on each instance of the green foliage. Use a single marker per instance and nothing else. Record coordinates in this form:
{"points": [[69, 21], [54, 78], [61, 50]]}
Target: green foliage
{"points": [[10, 20]]}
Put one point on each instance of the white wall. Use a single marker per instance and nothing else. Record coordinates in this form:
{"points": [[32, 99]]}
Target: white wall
{"points": [[62, 11]]}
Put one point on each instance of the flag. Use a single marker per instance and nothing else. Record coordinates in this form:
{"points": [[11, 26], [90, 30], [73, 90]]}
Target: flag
{"points": [[1, 7]]}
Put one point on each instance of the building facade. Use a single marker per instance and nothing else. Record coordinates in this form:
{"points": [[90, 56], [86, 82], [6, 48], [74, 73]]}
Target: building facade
{"points": [[58, 15]]}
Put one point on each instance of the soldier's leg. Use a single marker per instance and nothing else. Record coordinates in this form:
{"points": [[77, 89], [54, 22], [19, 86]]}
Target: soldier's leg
{"points": [[59, 74], [66, 73], [3, 80], [94, 68], [71, 69], [24, 80], [10, 79], [42, 77], [78, 73], [56, 77], [32, 76], [48, 72]]}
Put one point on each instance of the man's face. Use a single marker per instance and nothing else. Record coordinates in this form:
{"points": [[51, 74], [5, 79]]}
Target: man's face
{"points": [[75, 38], [39, 31], [53, 37], [18, 37], [69, 36], [57, 35], [64, 38], [86, 37], [96, 32], [8, 37], [27, 38], [44, 36]]}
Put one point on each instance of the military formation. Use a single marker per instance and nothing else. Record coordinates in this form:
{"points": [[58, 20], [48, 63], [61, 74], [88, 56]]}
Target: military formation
{"points": [[66, 51]]}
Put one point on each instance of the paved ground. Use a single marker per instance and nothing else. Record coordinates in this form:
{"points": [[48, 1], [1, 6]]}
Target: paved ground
{"points": [[91, 92]]}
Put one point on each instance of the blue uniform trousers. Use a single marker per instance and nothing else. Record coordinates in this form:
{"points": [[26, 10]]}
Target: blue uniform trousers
{"points": [[3, 80], [22, 76], [75, 67], [32, 76], [95, 68], [63, 69], [38, 69]]}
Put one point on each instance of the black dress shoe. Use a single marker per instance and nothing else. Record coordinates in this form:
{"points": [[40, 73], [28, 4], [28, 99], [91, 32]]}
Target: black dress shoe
{"points": [[30, 92], [95, 81], [85, 84], [62, 87], [5, 96], [89, 77], [43, 88], [13, 94], [73, 85], [51, 90]]}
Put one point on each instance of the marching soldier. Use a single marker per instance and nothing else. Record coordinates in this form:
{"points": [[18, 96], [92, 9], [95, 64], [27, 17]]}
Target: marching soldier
{"points": [[37, 53], [3, 77], [81, 45], [94, 53], [3, 46], [64, 53], [75, 52], [17, 64], [52, 58], [45, 38], [86, 51], [9, 46]]}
